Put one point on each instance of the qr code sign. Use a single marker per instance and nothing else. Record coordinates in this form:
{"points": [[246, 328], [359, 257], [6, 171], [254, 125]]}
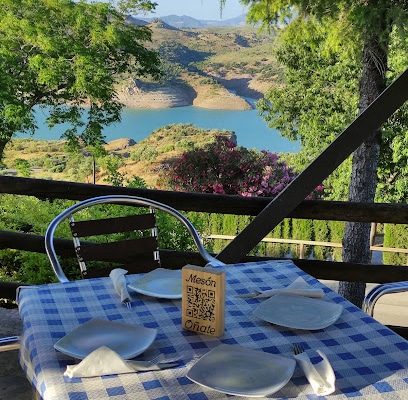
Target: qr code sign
{"points": [[203, 300], [200, 303]]}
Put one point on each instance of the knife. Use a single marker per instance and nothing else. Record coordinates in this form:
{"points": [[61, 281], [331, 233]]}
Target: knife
{"points": [[140, 366], [307, 292]]}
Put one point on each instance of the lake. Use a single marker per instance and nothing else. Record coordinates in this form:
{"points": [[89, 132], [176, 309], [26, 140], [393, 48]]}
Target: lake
{"points": [[137, 124]]}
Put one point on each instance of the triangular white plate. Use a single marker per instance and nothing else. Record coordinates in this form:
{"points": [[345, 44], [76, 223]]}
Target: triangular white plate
{"points": [[161, 282], [239, 371], [125, 339], [299, 312]]}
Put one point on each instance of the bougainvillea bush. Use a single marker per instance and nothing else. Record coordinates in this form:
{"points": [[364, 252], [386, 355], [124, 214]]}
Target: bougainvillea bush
{"points": [[225, 168]]}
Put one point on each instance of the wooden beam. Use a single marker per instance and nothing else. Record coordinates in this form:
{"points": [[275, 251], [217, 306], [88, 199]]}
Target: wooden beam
{"points": [[211, 203], [367, 122]]}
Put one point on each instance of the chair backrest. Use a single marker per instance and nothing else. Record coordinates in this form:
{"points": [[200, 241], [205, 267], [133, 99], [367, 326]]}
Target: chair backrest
{"points": [[137, 250], [137, 253]]}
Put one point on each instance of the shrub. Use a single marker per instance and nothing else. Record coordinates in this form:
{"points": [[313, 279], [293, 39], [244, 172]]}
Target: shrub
{"points": [[322, 232], [144, 153], [29, 215], [395, 236], [223, 167]]}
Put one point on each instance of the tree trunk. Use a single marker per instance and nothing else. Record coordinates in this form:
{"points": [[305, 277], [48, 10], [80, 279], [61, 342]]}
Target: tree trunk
{"points": [[363, 182], [3, 142]]}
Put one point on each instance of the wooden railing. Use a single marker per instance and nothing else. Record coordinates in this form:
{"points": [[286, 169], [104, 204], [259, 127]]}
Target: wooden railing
{"points": [[303, 244], [224, 204]]}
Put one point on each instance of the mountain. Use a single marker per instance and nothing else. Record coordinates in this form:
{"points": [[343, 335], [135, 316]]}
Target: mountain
{"points": [[218, 67], [185, 21]]}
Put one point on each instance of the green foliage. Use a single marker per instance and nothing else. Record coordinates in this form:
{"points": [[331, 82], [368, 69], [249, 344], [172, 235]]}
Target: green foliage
{"points": [[136, 182], [33, 268], [393, 163], [144, 153], [116, 178], [230, 225], [272, 249], [112, 163], [333, 51], [336, 235], [302, 229], [59, 52], [321, 53], [29, 215], [22, 166], [321, 233], [208, 81], [174, 235], [395, 236], [135, 6], [215, 226], [324, 231], [327, 81], [79, 168]]}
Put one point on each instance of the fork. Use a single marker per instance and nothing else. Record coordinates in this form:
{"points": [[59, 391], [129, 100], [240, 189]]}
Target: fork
{"points": [[298, 348], [128, 304]]}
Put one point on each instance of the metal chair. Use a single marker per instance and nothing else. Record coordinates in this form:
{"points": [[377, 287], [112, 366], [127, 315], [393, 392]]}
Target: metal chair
{"points": [[378, 291], [9, 343], [132, 253]]}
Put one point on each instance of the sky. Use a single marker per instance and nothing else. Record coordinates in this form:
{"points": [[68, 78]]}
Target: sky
{"points": [[198, 9]]}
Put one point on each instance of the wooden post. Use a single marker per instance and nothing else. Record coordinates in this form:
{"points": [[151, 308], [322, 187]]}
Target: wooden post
{"points": [[373, 232], [302, 251]]}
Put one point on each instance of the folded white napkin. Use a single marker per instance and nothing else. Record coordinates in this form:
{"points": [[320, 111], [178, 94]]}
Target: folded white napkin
{"points": [[299, 287], [105, 361], [320, 375], [119, 282], [102, 361]]}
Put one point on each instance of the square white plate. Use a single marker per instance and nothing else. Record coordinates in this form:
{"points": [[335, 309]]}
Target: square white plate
{"points": [[127, 340], [239, 371], [161, 282], [299, 312]]}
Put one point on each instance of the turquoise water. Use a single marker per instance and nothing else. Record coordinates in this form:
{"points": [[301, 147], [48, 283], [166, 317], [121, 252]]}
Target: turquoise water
{"points": [[251, 130]]}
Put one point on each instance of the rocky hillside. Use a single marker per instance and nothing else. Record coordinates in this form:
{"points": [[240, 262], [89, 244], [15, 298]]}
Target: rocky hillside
{"points": [[145, 159], [207, 67]]}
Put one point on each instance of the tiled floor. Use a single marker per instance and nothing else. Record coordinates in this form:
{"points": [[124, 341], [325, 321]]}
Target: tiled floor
{"points": [[13, 383]]}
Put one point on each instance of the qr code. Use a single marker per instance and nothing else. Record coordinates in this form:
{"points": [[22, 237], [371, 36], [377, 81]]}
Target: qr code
{"points": [[200, 303]]}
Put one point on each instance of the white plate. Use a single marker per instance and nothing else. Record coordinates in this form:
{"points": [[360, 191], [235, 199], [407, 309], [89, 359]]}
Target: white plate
{"points": [[299, 312], [164, 283], [125, 339], [242, 372]]}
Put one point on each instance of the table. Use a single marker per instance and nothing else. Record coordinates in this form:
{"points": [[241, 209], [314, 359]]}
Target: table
{"points": [[370, 361]]}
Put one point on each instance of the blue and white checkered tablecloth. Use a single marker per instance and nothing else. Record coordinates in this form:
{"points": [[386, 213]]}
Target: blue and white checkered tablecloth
{"points": [[369, 360]]}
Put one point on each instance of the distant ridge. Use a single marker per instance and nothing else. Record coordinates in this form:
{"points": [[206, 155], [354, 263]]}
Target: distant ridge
{"points": [[185, 21]]}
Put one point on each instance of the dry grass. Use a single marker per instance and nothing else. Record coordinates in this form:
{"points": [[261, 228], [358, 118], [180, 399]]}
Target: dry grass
{"points": [[144, 159]]}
